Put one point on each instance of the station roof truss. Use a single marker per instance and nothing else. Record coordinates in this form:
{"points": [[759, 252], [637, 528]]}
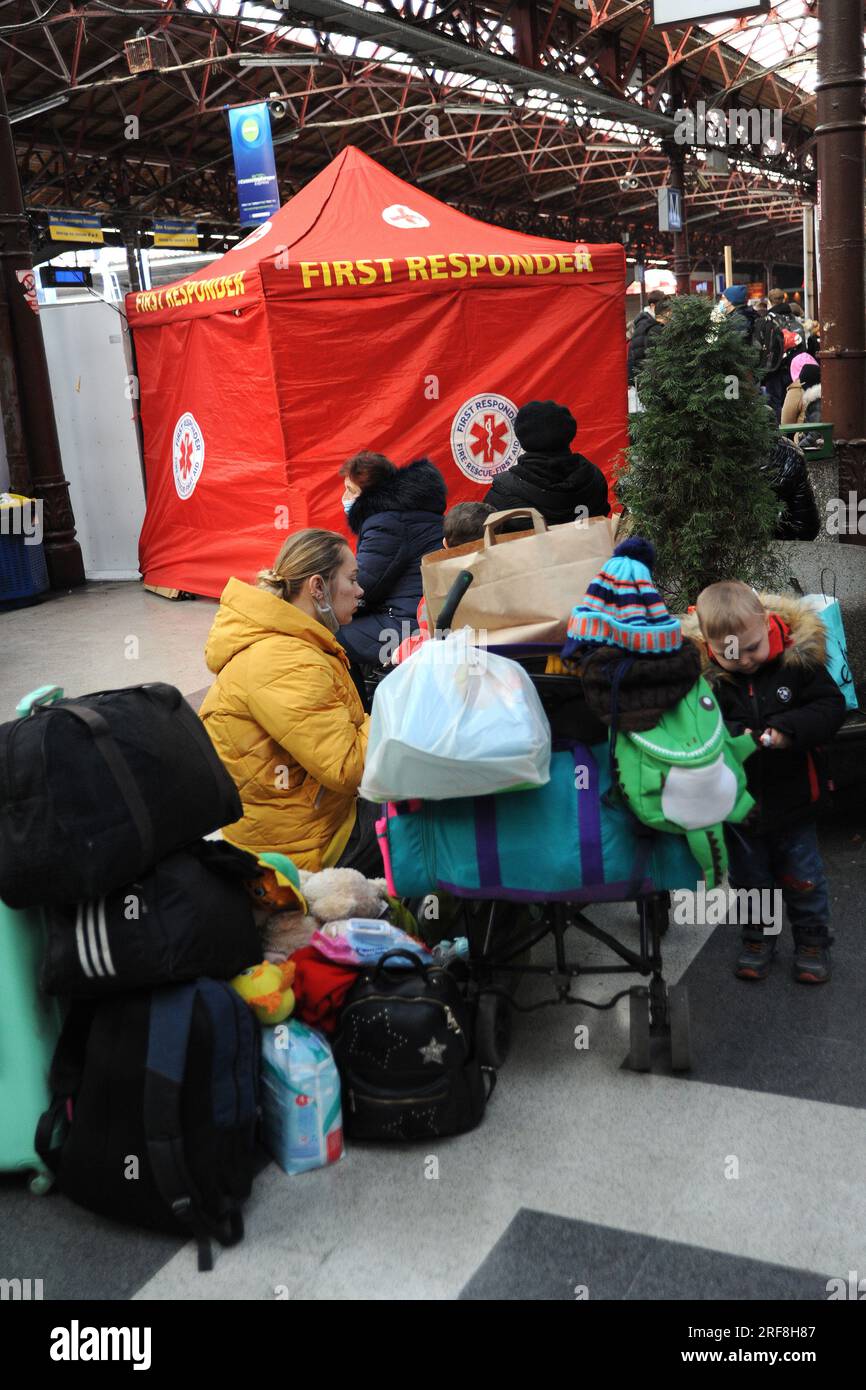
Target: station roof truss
{"points": [[550, 116]]}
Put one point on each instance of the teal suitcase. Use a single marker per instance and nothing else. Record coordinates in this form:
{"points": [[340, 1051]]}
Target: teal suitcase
{"points": [[29, 1026]]}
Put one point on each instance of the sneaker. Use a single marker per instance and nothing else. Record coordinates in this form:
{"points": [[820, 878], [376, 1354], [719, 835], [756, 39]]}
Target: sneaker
{"points": [[812, 965], [755, 959]]}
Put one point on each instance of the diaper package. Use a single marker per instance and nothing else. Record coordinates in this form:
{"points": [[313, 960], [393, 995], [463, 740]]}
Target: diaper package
{"points": [[302, 1121]]}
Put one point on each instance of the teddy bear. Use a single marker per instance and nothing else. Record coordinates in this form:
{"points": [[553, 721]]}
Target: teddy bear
{"points": [[289, 904], [330, 895]]}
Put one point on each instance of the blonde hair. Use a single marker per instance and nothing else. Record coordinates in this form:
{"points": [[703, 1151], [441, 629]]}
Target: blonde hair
{"points": [[726, 609], [301, 556]]}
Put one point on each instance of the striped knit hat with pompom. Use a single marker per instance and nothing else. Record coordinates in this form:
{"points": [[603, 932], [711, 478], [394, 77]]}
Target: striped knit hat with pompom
{"points": [[622, 608]]}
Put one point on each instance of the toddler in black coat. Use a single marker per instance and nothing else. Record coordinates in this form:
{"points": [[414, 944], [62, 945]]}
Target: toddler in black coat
{"points": [[765, 657]]}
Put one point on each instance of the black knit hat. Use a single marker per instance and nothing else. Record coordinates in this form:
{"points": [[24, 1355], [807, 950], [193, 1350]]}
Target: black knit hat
{"points": [[543, 427], [648, 688]]}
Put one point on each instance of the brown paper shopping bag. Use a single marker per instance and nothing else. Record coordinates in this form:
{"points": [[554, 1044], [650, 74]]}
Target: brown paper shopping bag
{"points": [[526, 583]]}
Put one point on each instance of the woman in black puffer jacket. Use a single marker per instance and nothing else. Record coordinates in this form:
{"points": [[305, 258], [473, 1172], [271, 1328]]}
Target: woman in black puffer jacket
{"points": [[396, 513], [548, 476]]}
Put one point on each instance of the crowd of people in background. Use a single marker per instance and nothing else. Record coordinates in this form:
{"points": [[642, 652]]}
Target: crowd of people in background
{"points": [[787, 344]]}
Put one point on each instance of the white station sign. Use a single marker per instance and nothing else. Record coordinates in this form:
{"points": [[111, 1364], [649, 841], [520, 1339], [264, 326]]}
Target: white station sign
{"points": [[671, 12]]}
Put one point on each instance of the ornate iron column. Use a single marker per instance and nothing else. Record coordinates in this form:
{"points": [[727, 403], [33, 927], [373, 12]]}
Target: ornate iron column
{"points": [[676, 154], [10, 401], [21, 337], [842, 247]]}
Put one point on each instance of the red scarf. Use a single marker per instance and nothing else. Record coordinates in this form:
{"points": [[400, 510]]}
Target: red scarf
{"points": [[780, 636]]}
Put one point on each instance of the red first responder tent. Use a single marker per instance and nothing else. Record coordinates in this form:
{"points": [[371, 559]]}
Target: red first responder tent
{"points": [[364, 315]]}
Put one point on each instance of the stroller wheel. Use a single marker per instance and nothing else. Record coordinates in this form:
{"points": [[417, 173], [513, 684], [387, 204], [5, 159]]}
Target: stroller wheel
{"points": [[678, 1006], [639, 1029], [492, 1030]]}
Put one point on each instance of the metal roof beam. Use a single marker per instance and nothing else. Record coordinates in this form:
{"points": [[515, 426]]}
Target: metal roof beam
{"points": [[459, 57]]}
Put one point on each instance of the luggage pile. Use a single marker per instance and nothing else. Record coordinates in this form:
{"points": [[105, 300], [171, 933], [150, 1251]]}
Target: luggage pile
{"points": [[356, 1009], [150, 1109], [134, 1072], [403, 1064]]}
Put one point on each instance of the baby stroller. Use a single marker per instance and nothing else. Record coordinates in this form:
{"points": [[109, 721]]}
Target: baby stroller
{"points": [[502, 928]]}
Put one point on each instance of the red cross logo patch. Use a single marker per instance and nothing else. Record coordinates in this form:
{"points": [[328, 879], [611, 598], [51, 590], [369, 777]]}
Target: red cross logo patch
{"points": [[187, 455], [483, 441]]}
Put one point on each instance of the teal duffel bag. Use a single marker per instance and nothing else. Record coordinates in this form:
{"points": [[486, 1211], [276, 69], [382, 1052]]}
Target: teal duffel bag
{"points": [[557, 841]]}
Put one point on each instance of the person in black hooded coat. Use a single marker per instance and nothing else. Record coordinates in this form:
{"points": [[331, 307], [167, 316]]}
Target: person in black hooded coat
{"points": [[548, 476], [645, 328], [396, 513]]}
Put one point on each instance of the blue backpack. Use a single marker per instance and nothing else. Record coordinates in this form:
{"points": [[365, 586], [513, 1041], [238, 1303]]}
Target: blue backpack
{"points": [[155, 1099]]}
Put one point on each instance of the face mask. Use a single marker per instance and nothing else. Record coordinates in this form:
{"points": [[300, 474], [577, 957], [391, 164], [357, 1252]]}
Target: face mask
{"points": [[348, 504]]}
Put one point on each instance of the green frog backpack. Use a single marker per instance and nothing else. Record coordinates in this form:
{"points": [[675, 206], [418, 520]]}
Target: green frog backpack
{"points": [[685, 775]]}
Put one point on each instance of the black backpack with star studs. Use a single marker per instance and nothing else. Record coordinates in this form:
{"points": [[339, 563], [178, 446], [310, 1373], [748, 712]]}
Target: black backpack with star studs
{"points": [[405, 1050]]}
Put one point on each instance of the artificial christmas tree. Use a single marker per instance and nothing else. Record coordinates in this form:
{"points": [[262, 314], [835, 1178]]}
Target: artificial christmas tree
{"points": [[693, 483]]}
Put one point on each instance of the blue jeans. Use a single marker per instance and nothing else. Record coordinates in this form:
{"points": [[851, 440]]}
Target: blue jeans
{"points": [[790, 861]]}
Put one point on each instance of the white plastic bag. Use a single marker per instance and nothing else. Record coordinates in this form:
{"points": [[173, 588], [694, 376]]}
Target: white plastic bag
{"points": [[455, 720]]}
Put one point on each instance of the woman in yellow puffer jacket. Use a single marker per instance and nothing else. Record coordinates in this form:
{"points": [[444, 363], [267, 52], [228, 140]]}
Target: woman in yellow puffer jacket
{"points": [[285, 715]]}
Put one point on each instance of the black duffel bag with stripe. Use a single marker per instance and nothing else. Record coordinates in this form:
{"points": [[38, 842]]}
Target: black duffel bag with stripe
{"points": [[96, 790], [189, 916]]}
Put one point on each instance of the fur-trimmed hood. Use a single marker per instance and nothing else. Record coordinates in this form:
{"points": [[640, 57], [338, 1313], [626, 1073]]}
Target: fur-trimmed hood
{"points": [[419, 487], [808, 647]]}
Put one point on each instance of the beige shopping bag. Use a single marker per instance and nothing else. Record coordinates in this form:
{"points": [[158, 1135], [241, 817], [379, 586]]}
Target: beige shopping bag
{"points": [[525, 583]]}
